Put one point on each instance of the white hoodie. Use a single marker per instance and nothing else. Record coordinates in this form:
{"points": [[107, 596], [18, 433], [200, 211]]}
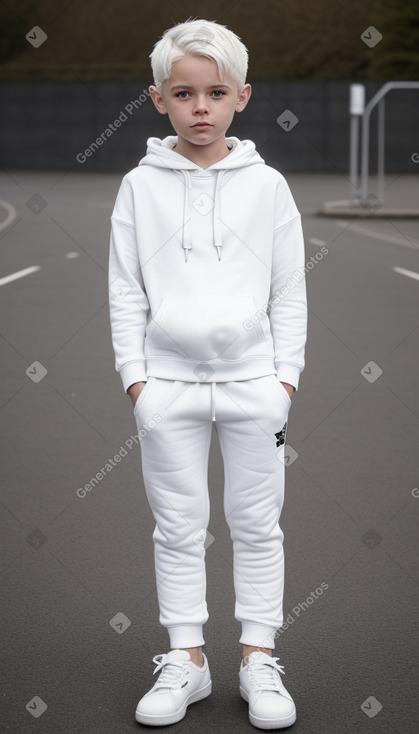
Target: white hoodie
{"points": [[206, 270]]}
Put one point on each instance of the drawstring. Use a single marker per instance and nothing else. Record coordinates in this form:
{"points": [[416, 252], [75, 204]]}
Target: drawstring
{"points": [[213, 384], [186, 223], [216, 215]]}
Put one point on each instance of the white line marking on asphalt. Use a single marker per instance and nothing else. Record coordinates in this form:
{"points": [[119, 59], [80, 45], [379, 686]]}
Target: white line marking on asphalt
{"points": [[11, 214], [408, 273], [378, 236], [19, 274], [315, 241]]}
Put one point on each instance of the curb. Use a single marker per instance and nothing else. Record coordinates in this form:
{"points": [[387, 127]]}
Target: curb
{"points": [[371, 210]]}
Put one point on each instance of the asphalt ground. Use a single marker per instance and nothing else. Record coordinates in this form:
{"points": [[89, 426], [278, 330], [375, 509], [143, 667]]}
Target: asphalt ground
{"points": [[79, 606]]}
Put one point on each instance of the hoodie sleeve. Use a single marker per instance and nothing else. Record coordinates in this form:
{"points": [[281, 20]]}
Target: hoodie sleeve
{"points": [[128, 302], [288, 299]]}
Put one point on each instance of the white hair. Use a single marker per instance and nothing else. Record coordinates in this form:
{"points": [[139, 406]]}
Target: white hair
{"points": [[200, 38]]}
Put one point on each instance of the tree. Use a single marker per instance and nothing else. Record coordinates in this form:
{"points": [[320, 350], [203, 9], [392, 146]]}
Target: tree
{"points": [[396, 56]]}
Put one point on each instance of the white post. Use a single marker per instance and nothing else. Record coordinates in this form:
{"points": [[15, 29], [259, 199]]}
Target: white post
{"points": [[356, 110]]}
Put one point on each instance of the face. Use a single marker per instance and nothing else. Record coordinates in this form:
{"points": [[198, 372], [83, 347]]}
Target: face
{"points": [[200, 105]]}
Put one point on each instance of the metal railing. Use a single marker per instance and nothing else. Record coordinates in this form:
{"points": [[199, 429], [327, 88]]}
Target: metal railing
{"points": [[357, 110]]}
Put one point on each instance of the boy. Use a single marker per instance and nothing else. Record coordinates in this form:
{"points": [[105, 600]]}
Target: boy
{"points": [[207, 327]]}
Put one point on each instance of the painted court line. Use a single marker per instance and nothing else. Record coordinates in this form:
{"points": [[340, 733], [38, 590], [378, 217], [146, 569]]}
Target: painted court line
{"points": [[19, 274], [407, 242], [315, 241], [408, 273], [11, 214]]}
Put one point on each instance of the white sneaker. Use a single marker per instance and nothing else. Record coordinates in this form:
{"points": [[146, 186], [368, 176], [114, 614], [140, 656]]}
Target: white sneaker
{"points": [[180, 683], [270, 704]]}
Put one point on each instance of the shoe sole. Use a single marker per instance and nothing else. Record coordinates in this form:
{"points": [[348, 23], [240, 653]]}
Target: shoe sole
{"points": [[269, 723], [160, 720]]}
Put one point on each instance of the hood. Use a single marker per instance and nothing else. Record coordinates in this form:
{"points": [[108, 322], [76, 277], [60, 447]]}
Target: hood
{"points": [[160, 154]]}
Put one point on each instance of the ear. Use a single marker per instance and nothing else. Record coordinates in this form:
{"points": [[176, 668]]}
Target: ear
{"points": [[157, 100], [243, 97]]}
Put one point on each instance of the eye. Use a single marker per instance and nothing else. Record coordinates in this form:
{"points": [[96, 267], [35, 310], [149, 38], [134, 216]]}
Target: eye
{"points": [[219, 93], [179, 94]]}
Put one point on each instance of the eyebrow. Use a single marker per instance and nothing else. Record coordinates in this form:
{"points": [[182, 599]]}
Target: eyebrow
{"points": [[187, 86]]}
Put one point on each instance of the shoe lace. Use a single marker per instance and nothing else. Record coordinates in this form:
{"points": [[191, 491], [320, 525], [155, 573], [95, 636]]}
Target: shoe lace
{"points": [[172, 673], [265, 676]]}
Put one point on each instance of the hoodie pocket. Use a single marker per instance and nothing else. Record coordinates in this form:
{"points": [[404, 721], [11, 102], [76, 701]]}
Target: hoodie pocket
{"points": [[208, 326], [144, 393], [282, 390]]}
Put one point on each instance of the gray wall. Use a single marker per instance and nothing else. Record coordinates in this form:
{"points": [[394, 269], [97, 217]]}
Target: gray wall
{"points": [[45, 125]]}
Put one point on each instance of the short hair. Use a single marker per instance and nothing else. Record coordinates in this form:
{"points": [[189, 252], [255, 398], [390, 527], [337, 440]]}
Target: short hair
{"points": [[200, 38]]}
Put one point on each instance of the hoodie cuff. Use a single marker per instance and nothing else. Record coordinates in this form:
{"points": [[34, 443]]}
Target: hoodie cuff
{"points": [[288, 373], [133, 372]]}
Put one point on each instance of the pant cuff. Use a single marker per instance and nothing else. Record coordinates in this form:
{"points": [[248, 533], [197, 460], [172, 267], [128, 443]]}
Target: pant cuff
{"points": [[258, 635], [186, 635]]}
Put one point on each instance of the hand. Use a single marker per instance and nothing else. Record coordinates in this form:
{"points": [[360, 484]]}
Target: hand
{"points": [[289, 388], [135, 390]]}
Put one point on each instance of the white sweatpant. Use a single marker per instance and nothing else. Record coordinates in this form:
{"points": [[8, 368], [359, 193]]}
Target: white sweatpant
{"points": [[174, 420]]}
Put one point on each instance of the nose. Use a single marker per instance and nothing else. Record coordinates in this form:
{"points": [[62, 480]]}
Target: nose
{"points": [[201, 104]]}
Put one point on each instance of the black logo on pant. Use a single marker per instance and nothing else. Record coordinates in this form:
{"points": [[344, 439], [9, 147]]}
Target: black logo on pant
{"points": [[280, 436]]}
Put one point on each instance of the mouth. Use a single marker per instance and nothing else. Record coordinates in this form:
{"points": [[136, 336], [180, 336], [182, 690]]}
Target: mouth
{"points": [[202, 124]]}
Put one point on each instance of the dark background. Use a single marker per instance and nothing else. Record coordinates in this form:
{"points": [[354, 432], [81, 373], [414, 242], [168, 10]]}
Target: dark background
{"points": [[58, 98], [314, 39]]}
